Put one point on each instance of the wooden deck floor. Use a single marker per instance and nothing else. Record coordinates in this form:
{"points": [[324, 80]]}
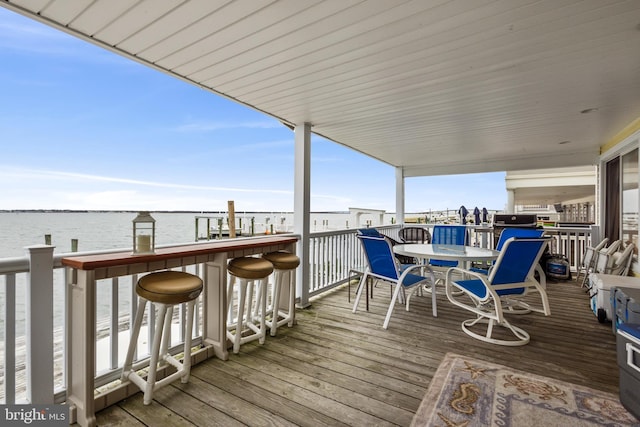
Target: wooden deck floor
{"points": [[338, 368]]}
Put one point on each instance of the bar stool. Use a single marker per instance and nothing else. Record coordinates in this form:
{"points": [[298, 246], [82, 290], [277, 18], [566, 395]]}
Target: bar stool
{"points": [[165, 289], [246, 327], [284, 263]]}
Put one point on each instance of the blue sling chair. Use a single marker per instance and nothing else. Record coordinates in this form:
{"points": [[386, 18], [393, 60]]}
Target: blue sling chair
{"points": [[446, 235], [383, 266], [508, 233], [358, 270], [510, 278]]}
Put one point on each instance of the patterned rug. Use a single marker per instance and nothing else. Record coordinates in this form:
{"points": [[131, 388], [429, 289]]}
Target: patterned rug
{"points": [[466, 392]]}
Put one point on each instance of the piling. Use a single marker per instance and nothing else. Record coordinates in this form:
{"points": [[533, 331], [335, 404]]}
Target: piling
{"points": [[232, 219]]}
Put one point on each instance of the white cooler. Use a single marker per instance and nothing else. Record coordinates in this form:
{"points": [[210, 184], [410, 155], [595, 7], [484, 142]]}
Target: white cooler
{"points": [[628, 358], [600, 292]]}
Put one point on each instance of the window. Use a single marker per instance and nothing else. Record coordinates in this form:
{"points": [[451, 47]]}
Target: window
{"points": [[630, 198]]}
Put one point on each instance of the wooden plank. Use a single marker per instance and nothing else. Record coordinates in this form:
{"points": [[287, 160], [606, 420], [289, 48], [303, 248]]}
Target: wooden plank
{"points": [[339, 368], [197, 411], [115, 416], [154, 414], [234, 406], [302, 375], [237, 381]]}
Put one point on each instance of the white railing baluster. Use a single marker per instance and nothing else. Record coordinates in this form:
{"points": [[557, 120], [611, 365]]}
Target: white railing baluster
{"points": [[10, 339], [133, 308], [114, 324]]}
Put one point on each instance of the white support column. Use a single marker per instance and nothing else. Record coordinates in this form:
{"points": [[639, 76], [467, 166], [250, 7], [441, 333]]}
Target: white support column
{"points": [[399, 195], [39, 325], [511, 201], [302, 207]]}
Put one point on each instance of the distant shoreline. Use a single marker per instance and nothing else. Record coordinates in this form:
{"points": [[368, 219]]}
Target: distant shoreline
{"points": [[218, 212], [155, 211]]}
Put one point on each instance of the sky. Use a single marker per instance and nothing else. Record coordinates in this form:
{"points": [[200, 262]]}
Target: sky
{"points": [[82, 128]]}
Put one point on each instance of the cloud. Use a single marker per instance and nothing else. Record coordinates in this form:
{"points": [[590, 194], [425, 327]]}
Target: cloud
{"points": [[206, 126], [8, 172], [24, 34]]}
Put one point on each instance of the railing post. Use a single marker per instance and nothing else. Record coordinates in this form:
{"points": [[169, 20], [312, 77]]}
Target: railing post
{"points": [[595, 236], [39, 325]]}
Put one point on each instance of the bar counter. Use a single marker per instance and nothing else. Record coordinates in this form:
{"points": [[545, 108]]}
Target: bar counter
{"points": [[85, 270]]}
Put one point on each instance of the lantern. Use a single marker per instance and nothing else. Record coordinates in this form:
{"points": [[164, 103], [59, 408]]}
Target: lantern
{"points": [[144, 234]]}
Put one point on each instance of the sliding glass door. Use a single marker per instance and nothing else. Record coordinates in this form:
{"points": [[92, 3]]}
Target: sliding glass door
{"points": [[630, 198]]}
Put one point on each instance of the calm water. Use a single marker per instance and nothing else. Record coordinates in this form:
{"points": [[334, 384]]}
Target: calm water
{"points": [[113, 230], [94, 230]]}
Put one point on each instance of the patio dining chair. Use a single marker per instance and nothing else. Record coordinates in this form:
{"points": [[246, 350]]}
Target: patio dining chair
{"points": [[414, 235], [508, 233], [589, 260], [448, 235], [511, 278], [406, 261], [383, 266], [358, 270]]}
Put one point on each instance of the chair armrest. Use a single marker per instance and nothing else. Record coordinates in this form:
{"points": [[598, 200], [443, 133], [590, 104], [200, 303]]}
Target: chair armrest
{"points": [[422, 267]]}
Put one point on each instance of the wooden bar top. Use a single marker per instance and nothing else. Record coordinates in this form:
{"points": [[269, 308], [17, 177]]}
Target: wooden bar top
{"points": [[92, 262]]}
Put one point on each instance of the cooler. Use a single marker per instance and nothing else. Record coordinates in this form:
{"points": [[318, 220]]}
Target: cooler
{"points": [[600, 292], [628, 350], [626, 306]]}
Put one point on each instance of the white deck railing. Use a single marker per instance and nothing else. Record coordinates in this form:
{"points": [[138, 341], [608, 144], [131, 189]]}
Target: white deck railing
{"points": [[40, 280]]}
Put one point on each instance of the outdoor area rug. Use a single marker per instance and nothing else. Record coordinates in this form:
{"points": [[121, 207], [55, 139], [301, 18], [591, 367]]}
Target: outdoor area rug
{"points": [[467, 392]]}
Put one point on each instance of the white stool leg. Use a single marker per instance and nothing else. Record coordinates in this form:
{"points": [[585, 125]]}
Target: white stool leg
{"points": [[277, 285], [166, 335], [263, 309], [133, 342], [186, 361], [242, 292], [153, 364], [248, 316], [283, 283], [292, 298], [258, 304]]}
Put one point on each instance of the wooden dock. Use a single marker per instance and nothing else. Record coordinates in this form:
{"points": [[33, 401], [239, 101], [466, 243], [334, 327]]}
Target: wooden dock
{"points": [[336, 368]]}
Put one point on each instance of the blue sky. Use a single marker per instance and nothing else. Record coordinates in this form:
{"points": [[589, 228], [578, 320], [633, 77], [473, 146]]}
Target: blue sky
{"points": [[83, 128]]}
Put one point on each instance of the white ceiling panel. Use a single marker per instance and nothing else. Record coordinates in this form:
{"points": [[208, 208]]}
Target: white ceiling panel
{"points": [[432, 86]]}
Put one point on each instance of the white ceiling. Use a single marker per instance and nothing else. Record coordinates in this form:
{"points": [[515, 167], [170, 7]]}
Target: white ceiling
{"points": [[433, 86]]}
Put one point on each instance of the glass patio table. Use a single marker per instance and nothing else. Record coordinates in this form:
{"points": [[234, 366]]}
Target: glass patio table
{"points": [[461, 253]]}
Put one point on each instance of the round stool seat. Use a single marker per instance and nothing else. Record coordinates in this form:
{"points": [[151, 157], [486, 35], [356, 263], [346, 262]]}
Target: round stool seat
{"points": [[169, 287], [250, 268], [282, 260]]}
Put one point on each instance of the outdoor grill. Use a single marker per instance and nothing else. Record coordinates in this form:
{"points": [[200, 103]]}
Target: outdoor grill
{"points": [[502, 221]]}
